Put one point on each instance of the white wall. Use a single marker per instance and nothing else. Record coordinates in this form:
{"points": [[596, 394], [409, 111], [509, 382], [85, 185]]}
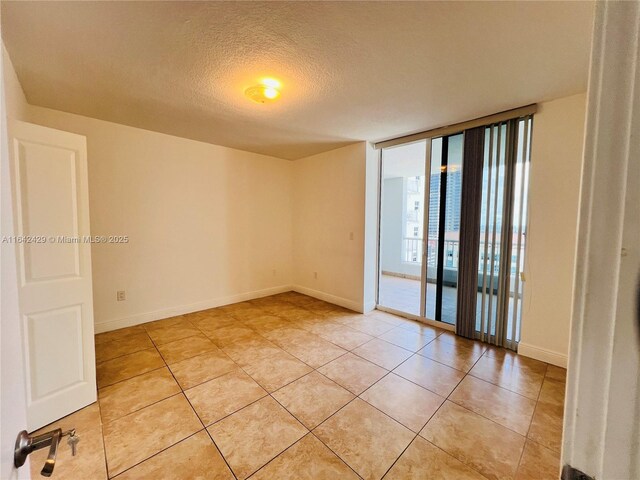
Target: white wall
{"points": [[602, 413], [556, 167], [207, 225], [13, 415], [329, 206]]}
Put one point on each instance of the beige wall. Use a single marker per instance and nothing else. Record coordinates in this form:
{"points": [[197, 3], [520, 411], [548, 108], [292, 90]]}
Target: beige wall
{"points": [[556, 167], [329, 207], [207, 224]]}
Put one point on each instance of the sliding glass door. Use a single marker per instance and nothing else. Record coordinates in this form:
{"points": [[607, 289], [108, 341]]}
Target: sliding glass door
{"points": [[425, 225], [444, 228], [420, 227], [402, 212]]}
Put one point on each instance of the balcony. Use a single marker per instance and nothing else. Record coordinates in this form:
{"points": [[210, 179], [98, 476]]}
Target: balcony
{"points": [[400, 286]]}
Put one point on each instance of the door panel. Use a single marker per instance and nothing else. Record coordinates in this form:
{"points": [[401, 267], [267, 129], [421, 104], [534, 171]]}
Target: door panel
{"points": [[401, 227], [444, 228], [54, 269], [43, 168]]}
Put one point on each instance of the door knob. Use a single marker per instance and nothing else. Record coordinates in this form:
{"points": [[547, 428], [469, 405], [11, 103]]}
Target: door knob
{"points": [[25, 444]]}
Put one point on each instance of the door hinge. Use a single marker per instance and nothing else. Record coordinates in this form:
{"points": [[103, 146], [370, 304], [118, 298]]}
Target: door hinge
{"points": [[570, 473]]}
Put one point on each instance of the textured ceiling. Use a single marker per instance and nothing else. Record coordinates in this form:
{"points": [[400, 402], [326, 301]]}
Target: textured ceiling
{"points": [[350, 70]]}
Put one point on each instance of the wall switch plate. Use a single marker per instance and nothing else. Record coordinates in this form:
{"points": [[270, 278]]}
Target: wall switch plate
{"points": [[350, 235], [315, 275], [121, 296]]}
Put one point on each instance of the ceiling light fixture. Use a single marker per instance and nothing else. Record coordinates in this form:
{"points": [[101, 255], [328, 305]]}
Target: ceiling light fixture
{"points": [[267, 91]]}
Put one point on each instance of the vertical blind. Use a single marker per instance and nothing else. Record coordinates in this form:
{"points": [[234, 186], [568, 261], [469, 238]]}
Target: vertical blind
{"points": [[502, 232], [470, 217]]}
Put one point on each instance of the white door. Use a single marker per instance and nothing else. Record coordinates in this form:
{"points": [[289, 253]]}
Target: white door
{"points": [[54, 270]]}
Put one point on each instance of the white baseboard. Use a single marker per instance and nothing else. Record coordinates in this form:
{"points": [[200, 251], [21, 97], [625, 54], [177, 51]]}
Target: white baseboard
{"points": [[114, 324], [542, 354], [327, 297]]}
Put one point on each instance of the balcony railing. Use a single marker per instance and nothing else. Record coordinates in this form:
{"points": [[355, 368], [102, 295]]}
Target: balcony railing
{"points": [[413, 254]]}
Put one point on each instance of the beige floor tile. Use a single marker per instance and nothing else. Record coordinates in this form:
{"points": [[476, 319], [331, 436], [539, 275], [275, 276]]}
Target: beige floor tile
{"points": [[174, 352], [365, 438], [171, 333], [290, 335], [512, 358], [406, 402], [197, 370], [168, 322], [266, 323], [409, 340], [277, 370], [208, 324], [88, 463], [353, 373], [248, 439], [298, 314], [236, 307], [383, 354], [556, 373], [251, 349], [315, 353], [552, 392], [309, 459], [139, 435], [546, 425], [485, 446], [133, 343], [227, 335], [422, 460], [127, 366], [313, 398], [430, 374], [507, 408], [224, 395], [247, 313], [451, 354], [419, 327], [368, 325], [503, 373], [135, 393], [389, 318], [120, 334], [195, 457], [538, 463], [451, 337], [341, 335]]}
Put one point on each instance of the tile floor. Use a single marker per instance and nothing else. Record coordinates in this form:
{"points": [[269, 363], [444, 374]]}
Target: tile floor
{"points": [[289, 387]]}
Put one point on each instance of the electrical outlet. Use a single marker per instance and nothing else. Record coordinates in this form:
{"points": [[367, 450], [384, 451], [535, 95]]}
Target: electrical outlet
{"points": [[121, 296], [315, 275]]}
